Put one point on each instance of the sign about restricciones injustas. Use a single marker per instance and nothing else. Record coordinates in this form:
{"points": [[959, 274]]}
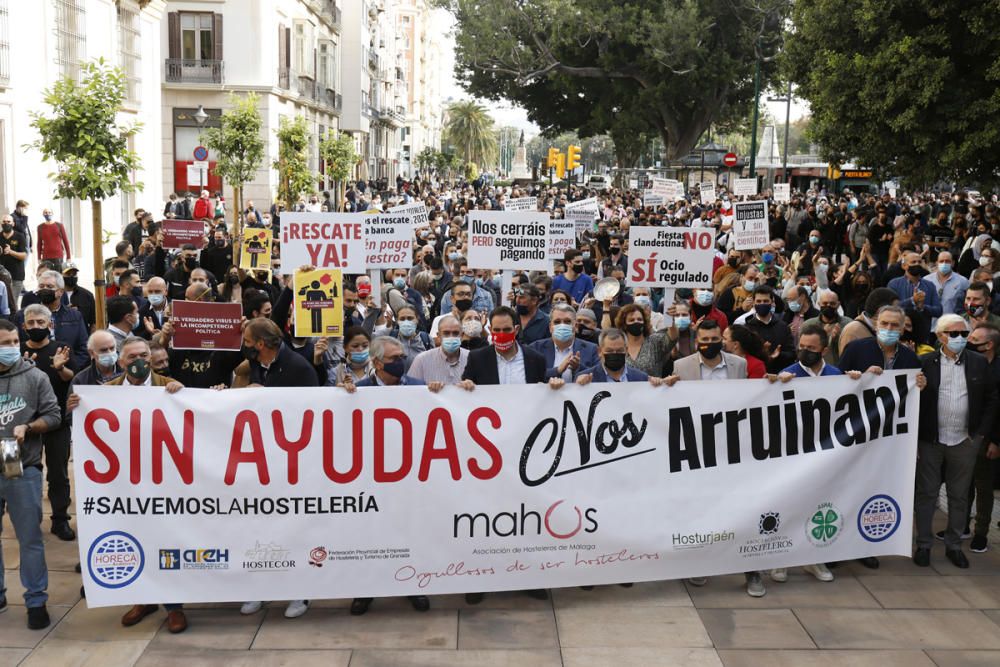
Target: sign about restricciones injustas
{"points": [[670, 257], [750, 224], [509, 240], [323, 241]]}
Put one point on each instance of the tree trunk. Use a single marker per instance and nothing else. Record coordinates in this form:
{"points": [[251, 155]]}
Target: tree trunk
{"points": [[97, 228], [238, 222]]}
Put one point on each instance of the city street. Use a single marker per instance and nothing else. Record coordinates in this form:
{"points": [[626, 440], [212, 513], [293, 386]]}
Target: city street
{"points": [[898, 615]]}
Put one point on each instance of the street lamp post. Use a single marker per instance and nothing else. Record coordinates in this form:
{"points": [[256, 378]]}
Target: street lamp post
{"points": [[787, 99]]}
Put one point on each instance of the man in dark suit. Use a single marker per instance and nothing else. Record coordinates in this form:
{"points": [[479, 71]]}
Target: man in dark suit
{"points": [[957, 408], [506, 361], [612, 367], [565, 354]]}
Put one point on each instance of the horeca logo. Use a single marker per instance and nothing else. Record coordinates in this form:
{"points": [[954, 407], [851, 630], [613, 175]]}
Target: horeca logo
{"points": [[878, 518], [115, 559], [194, 559], [824, 525]]}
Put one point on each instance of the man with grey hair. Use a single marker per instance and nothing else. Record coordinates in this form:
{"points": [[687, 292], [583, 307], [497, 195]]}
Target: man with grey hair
{"points": [[565, 355], [611, 366], [67, 324], [388, 358], [957, 412], [832, 322], [445, 363]]}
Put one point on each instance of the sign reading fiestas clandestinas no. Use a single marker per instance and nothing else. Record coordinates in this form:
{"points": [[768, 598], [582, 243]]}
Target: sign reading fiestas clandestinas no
{"points": [[670, 256], [204, 496]]}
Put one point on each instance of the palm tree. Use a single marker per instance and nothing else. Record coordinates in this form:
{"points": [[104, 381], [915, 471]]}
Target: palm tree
{"points": [[469, 129]]}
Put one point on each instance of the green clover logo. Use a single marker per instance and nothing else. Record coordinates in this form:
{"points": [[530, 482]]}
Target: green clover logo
{"points": [[824, 525]]}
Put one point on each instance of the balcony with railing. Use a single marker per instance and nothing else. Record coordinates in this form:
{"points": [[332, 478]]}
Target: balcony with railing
{"points": [[373, 60], [336, 18], [180, 70], [306, 87], [393, 115], [332, 100]]}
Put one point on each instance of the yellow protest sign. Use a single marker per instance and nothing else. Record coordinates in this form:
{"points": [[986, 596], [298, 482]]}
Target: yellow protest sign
{"points": [[256, 251], [319, 304]]}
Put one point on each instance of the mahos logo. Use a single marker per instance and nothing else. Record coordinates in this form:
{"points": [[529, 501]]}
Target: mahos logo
{"points": [[878, 518], [526, 523], [115, 559], [824, 525]]}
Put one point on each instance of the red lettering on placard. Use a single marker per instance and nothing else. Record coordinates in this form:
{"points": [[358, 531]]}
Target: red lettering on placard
{"points": [[331, 472], [163, 439], [89, 468], [292, 447], [439, 418], [247, 419], [135, 447], [405, 442], [496, 460]]}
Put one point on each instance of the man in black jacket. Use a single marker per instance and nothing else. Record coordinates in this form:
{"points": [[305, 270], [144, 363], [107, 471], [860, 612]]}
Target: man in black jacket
{"points": [[272, 363], [957, 410]]}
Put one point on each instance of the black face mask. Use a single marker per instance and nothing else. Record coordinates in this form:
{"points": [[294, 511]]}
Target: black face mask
{"points": [[614, 361], [37, 335], [190, 263], [809, 358], [251, 353], [8, 228], [828, 312], [587, 334], [463, 304], [46, 296], [70, 282], [635, 329], [915, 271], [232, 279], [165, 371], [734, 262], [710, 350], [220, 243]]}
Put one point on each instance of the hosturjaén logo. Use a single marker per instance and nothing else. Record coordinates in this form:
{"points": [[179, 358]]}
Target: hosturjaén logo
{"points": [[878, 518], [115, 559], [562, 525], [824, 525], [699, 540]]}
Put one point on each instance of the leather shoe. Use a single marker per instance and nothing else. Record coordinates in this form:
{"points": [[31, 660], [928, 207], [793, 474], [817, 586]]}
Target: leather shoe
{"points": [[922, 557], [870, 562], [176, 621], [62, 530], [957, 558], [474, 598], [420, 602], [137, 613], [78, 568], [360, 606]]}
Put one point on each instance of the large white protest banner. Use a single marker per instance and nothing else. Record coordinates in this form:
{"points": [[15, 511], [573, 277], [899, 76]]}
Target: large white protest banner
{"points": [[744, 187], [750, 225], [562, 237], [275, 494], [389, 237], [782, 192], [509, 240], [670, 256], [323, 240], [521, 204]]}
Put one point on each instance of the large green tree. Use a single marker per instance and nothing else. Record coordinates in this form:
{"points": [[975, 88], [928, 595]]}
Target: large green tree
{"points": [[340, 159], [469, 130], [238, 144], [670, 67], [89, 148], [907, 87]]}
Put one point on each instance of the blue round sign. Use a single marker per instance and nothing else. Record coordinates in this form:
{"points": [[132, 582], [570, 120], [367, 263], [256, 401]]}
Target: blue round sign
{"points": [[200, 153]]}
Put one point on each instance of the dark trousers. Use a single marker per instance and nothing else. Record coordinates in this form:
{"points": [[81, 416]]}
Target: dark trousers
{"points": [[954, 465], [57, 471], [982, 490]]}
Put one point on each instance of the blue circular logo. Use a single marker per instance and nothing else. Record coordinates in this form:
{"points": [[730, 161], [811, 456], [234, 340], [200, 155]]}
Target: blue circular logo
{"points": [[878, 518], [115, 559]]}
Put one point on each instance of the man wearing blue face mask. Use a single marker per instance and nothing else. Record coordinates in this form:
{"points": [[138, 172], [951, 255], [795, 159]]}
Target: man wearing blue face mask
{"points": [[950, 286], [565, 355], [153, 313], [445, 363]]}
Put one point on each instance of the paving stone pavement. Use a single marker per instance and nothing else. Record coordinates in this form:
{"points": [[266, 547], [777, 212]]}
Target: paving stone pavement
{"points": [[898, 615]]}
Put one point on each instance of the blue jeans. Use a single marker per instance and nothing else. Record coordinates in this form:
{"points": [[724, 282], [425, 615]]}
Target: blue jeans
{"points": [[23, 498]]}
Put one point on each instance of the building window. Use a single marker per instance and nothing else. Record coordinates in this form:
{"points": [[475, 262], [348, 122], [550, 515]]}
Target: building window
{"points": [[4, 45], [129, 55], [197, 39], [304, 49], [71, 36], [323, 73]]}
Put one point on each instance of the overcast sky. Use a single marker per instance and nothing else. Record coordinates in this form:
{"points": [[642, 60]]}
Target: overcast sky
{"points": [[507, 114]]}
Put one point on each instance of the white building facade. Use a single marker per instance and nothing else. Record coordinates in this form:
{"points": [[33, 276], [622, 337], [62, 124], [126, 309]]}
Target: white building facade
{"points": [[42, 41], [286, 51], [420, 39]]}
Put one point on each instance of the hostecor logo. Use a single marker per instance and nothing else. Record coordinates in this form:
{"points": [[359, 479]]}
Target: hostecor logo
{"points": [[115, 559], [878, 518]]}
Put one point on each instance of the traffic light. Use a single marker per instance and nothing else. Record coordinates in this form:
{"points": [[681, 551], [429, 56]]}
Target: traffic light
{"points": [[551, 160], [572, 157], [560, 165]]}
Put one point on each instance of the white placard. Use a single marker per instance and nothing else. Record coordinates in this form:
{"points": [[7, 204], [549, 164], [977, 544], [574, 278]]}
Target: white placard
{"points": [[323, 240], [670, 257], [509, 240], [562, 237], [521, 204], [744, 187], [782, 192], [316, 493], [389, 237], [750, 228], [707, 191], [197, 174]]}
